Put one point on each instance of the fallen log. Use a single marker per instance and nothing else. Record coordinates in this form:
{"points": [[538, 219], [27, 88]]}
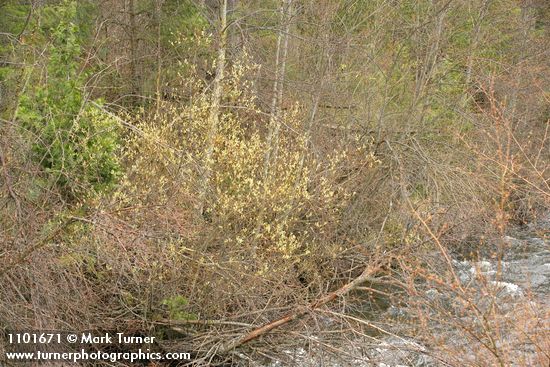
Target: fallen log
{"points": [[365, 276]]}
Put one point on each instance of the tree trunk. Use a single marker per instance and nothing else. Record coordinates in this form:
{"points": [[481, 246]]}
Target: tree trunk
{"points": [[134, 84], [158, 13], [280, 66], [275, 115], [213, 117]]}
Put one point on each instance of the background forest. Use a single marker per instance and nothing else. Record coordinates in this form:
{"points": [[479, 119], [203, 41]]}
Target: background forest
{"points": [[242, 178]]}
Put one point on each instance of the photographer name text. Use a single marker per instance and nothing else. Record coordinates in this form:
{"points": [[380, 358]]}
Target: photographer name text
{"points": [[118, 338]]}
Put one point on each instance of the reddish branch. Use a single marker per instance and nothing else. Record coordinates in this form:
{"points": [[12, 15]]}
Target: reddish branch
{"points": [[35, 246], [7, 180], [366, 275]]}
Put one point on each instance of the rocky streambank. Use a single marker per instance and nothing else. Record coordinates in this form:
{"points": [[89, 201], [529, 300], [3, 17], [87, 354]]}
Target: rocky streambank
{"points": [[509, 291]]}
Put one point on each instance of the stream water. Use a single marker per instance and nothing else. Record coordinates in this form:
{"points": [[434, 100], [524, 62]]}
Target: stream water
{"points": [[519, 277]]}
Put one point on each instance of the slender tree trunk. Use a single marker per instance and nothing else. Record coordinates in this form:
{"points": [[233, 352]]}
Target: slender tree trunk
{"points": [[321, 72], [134, 89], [280, 66], [233, 39], [158, 9], [213, 117], [275, 115]]}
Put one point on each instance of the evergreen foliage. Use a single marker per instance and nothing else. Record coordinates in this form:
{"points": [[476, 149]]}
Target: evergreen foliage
{"points": [[74, 140]]}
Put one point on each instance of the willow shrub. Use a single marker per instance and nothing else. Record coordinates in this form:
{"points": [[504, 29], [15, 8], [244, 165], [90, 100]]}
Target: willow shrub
{"points": [[287, 220]]}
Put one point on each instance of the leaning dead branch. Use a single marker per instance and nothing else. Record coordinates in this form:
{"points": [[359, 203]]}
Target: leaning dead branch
{"points": [[366, 275]]}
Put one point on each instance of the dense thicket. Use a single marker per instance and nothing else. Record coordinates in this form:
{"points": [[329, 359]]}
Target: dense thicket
{"points": [[173, 162]]}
